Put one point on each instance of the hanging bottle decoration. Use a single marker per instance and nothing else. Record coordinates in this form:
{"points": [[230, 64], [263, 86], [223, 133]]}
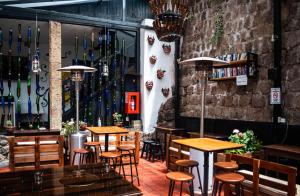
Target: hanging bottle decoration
{"points": [[92, 83], [122, 78], [100, 77], [28, 43], [9, 97], [76, 50], [19, 48], [106, 63], [85, 82], [114, 68], [1, 81], [36, 69]]}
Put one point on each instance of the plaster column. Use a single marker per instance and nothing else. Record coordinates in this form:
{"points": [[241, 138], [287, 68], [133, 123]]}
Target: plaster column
{"points": [[55, 92]]}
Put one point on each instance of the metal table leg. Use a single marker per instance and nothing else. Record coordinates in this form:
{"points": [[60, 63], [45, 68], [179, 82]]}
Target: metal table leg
{"points": [[205, 176]]}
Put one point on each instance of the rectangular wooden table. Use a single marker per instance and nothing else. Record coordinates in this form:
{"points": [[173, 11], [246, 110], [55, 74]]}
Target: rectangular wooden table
{"points": [[281, 150], [207, 145], [92, 180], [106, 130]]}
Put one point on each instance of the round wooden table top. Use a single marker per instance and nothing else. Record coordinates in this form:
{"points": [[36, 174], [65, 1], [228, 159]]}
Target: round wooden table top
{"points": [[231, 178], [186, 163]]}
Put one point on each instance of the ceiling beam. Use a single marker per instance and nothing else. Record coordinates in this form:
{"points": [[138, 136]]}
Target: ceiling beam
{"points": [[52, 3]]}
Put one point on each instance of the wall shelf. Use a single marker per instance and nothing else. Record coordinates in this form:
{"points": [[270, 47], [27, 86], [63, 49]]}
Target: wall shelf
{"points": [[233, 69]]}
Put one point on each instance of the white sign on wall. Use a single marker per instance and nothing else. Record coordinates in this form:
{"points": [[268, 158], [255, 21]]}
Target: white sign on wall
{"points": [[241, 80], [275, 96]]}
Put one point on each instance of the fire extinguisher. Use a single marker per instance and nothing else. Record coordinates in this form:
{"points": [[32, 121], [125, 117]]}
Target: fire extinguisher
{"points": [[132, 104]]}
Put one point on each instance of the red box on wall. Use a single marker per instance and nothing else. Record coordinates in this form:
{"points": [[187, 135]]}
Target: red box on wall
{"points": [[132, 102]]}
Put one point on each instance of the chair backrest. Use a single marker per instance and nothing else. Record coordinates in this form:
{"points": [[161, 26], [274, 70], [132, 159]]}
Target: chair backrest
{"points": [[258, 179], [36, 151]]}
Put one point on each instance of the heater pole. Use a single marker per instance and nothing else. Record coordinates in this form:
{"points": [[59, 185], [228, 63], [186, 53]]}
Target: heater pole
{"points": [[203, 86], [77, 104]]}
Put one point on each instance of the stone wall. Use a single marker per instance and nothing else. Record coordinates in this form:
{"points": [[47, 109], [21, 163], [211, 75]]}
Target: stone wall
{"points": [[166, 114], [248, 26], [291, 60]]}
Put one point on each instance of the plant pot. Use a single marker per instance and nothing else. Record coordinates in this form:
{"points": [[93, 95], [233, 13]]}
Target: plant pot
{"points": [[118, 124], [10, 129], [83, 127]]}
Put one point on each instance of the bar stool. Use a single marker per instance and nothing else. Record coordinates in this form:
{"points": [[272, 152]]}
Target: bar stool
{"points": [[83, 153], [180, 177], [226, 166], [156, 151], [112, 156], [95, 145], [189, 164], [146, 148], [228, 178], [129, 151]]}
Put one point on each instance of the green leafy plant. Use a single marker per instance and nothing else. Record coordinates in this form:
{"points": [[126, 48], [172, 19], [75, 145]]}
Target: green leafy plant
{"points": [[252, 144], [68, 128], [219, 29], [117, 117], [9, 123]]}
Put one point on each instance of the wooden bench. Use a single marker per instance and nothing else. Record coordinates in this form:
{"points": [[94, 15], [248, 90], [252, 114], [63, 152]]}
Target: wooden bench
{"points": [[257, 183], [35, 152]]}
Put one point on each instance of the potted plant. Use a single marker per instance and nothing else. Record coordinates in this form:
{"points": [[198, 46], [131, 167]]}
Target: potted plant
{"points": [[252, 144], [118, 119], [9, 127]]}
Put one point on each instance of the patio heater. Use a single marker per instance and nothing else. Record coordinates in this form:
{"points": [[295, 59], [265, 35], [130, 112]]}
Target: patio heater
{"points": [[205, 65], [77, 72], [77, 75]]}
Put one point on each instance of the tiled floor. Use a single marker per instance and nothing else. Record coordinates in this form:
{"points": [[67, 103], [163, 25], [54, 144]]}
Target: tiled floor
{"points": [[153, 181]]}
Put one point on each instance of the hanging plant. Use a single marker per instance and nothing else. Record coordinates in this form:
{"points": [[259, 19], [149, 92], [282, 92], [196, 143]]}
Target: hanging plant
{"points": [[219, 29]]}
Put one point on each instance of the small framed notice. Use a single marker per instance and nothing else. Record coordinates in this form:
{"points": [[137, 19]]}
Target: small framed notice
{"points": [[275, 96], [241, 80]]}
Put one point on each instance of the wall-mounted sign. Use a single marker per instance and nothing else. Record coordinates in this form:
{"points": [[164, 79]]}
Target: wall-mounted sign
{"points": [[275, 96], [241, 80]]}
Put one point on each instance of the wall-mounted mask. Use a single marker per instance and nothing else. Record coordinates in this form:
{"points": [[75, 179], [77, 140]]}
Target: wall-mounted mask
{"points": [[166, 48], [165, 91], [152, 59], [160, 73], [149, 85], [150, 40]]}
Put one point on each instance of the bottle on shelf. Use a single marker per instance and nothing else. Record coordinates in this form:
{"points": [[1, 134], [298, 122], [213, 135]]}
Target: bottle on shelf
{"points": [[99, 122]]}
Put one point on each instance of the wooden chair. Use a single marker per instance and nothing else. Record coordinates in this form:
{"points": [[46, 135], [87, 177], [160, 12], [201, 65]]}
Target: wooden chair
{"points": [[175, 152], [35, 152]]}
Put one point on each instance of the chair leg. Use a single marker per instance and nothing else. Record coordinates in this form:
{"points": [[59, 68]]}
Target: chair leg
{"points": [[143, 150], [136, 168], [170, 188], [74, 155], [181, 188], [215, 188], [191, 188], [130, 163], [220, 188], [200, 184]]}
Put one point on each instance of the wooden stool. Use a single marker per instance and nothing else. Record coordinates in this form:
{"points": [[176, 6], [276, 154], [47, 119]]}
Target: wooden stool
{"points": [[129, 151], [146, 148], [156, 151], [83, 153], [227, 166], [112, 156], [190, 164], [96, 146], [180, 177], [228, 178]]}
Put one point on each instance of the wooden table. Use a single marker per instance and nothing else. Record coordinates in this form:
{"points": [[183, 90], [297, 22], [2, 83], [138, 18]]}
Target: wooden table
{"points": [[64, 181], [207, 145], [106, 130], [281, 150], [165, 131]]}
